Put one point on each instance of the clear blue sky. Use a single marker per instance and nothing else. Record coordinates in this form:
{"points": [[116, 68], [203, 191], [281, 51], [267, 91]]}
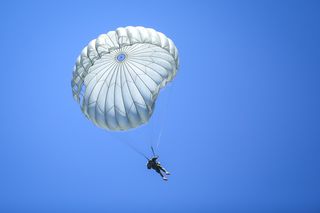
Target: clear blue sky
{"points": [[241, 131]]}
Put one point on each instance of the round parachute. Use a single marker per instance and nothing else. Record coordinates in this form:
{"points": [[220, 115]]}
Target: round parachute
{"points": [[118, 76]]}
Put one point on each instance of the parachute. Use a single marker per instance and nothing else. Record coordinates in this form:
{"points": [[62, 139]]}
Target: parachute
{"points": [[118, 76]]}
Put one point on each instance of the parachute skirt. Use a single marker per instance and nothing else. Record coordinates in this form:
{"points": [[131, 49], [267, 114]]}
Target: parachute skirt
{"points": [[118, 76]]}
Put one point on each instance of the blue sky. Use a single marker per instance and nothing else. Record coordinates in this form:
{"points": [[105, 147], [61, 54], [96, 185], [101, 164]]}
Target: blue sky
{"points": [[240, 124]]}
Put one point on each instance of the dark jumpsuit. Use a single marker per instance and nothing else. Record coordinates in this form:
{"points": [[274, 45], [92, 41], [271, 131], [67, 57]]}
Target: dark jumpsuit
{"points": [[153, 164]]}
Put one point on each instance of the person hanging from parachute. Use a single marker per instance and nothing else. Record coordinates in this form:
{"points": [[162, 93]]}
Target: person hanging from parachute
{"points": [[118, 76], [154, 164]]}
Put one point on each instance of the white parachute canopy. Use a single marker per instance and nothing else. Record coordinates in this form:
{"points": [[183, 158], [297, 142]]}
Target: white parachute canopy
{"points": [[118, 76]]}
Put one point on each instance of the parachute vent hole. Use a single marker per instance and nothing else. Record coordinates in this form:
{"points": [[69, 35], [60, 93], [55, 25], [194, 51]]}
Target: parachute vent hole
{"points": [[121, 57]]}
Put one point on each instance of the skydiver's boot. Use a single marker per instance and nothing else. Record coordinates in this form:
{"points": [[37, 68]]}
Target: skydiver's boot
{"points": [[164, 178]]}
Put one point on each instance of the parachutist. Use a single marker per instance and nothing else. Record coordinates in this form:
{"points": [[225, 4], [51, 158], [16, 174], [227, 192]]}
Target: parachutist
{"points": [[155, 165]]}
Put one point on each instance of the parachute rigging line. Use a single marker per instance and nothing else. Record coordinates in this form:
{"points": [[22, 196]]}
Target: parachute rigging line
{"points": [[159, 137], [153, 151], [135, 149], [165, 116]]}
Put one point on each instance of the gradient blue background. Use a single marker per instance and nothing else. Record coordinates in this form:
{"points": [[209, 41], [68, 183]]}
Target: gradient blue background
{"points": [[242, 130]]}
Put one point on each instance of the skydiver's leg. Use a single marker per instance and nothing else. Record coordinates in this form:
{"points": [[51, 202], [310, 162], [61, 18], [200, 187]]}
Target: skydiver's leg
{"points": [[163, 177], [164, 170], [158, 171]]}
